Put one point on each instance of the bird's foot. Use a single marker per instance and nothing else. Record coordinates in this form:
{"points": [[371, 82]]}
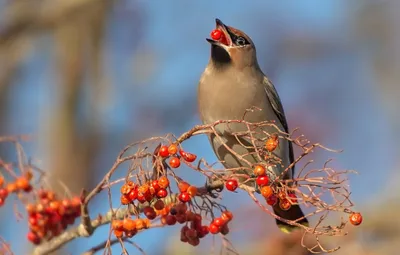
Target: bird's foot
{"points": [[213, 186]]}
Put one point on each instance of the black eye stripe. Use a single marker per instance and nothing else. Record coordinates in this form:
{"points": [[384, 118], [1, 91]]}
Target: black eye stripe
{"points": [[239, 40]]}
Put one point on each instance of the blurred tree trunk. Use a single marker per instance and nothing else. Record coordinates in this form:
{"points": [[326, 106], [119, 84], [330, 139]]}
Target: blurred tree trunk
{"points": [[74, 141], [377, 23]]}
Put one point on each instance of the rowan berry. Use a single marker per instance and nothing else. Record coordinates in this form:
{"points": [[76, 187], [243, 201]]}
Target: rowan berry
{"points": [[231, 184], [355, 218], [172, 149], [174, 162], [259, 170]]}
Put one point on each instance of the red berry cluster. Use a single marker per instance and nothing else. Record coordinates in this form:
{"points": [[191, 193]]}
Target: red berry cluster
{"points": [[170, 214], [144, 193], [266, 190], [128, 226], [172, 151], [49, 217], [192, 232], [220, 224], [21, 184]]}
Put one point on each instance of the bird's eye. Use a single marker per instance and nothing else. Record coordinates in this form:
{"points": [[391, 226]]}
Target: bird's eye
{"points": [[240, 41]]}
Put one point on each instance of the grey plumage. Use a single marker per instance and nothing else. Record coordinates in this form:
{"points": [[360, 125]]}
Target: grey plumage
{"points": [[232, 83]]}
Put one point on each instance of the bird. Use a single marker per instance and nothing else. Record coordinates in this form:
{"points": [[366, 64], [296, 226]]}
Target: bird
{"points": [[231, 84]]}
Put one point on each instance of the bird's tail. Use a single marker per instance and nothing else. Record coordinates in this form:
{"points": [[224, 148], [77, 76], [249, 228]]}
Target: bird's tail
{"points": [[292, 214]]}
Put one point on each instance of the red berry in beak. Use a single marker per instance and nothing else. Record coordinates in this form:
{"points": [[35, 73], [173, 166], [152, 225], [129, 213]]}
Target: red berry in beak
{"points": [[216, 34]]}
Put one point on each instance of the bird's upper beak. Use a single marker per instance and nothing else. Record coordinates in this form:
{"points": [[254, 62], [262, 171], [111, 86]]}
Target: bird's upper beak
{"points": [[227, 33]]}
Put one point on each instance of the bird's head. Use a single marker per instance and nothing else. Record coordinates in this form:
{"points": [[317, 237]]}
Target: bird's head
{"points": [[231, 46]]}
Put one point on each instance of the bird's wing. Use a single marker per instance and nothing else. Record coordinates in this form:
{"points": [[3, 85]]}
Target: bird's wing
{"points": [[275, 101]]}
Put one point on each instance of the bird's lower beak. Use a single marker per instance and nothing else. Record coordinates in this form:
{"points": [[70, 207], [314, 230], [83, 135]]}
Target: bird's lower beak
{"points": [[225, 30]]}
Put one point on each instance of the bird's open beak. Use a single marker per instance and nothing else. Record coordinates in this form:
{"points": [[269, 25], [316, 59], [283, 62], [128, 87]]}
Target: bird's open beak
{"points": [[225, 29]]}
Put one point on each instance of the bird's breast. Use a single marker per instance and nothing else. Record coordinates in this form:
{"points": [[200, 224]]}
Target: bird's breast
{"points": [[230, 98]]}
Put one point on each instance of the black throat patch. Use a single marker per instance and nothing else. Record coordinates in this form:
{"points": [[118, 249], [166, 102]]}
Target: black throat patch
{"points": [[219, 55]]}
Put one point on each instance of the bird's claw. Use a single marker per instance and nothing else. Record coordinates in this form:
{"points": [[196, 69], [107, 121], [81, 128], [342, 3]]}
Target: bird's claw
{"points": [[211, 189]]}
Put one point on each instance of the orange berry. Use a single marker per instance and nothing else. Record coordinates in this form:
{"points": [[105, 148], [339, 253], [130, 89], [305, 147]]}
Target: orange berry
{"points": [[356, 218], [272, 143], [130, 184], [118, 233], [284, 204], [183, 186], [144, 189], [30, 208], [259, 170], [282, 195], [174, 162], [1, 180], [11, 187], [117, 224], [163, 182], [192, 190], [172, 149], [125, 200], [266, 191], [22, 183], [55, 205], [76, 203], [147, 223], [129, 224], [140, 224], [164, 211], [125, 189], [164, 219]]}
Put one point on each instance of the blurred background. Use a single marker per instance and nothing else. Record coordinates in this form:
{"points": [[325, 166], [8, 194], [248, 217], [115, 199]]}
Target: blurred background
{"points": [[87, 77]]}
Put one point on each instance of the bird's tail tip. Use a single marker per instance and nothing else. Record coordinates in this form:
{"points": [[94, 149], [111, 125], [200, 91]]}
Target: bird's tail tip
{"points": [[293, 214], [287, 228]]}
